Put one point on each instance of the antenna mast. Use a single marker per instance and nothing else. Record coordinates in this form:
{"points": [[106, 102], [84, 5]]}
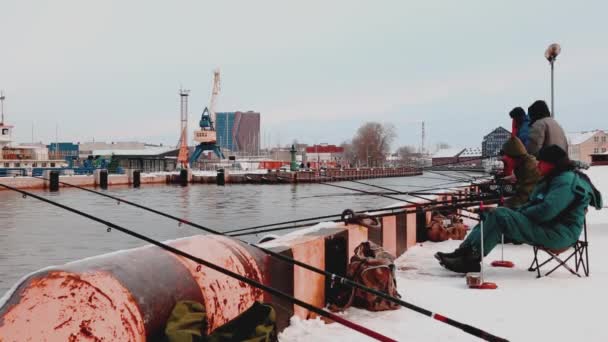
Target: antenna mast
{"points": [[182, 157], [2, 106], [422, 139]]}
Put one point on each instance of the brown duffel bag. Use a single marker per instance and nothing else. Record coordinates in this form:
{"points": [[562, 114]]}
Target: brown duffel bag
{"points": [[372, 267], [443, 228]]}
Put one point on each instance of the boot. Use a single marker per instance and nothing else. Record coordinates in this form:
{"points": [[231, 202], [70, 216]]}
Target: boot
{"points": [[468, 261], [456, 253]]}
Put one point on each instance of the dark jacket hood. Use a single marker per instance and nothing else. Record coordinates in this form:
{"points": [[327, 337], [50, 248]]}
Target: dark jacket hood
{"points": [[538, 110], [596, 196]]}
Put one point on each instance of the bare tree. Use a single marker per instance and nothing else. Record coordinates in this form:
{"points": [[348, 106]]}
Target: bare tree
{"points": [[406, 155], [372, 143], [349, 155]]}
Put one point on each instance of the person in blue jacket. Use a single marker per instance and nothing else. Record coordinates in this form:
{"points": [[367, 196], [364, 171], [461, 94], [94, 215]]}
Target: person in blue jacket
{"points": [[520, 124], [553, 217]]}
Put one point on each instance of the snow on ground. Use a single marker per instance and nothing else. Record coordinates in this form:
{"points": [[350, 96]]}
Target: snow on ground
{"points": [[599, 177], [560, 307]]}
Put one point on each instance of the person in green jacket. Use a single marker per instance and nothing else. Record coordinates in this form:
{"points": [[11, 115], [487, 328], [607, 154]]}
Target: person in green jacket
{"points": [[552, 218], [524, 166]]}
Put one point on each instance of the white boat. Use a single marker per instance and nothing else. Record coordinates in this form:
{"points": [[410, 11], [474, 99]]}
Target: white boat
{"points": [[21, 159]]}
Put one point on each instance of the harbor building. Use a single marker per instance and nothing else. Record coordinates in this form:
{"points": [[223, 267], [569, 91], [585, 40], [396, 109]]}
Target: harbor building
{"points": [[493, 141], [582, 145], [238, 131]]}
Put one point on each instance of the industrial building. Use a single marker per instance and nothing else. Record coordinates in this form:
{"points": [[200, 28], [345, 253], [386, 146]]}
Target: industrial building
{"points": [[458, 157], [238, 131], [150, 159], [63, 150], [493, 141], [325, 155]]}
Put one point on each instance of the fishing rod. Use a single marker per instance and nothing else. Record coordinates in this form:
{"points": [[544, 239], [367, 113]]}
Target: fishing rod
{"points": [[431, 168], [410, 211], [462, 161], [346, 194], [423, 187], [433, 187], [462, 173], [251, 282], [369, 193], [243, 229], [380, 194], [377, 193], [388, 211], [396, 192], [391, 190], [448, 176], [334, 277], [184, 221], [416, 176], [428, 193], [410, 194], [415, 205]]}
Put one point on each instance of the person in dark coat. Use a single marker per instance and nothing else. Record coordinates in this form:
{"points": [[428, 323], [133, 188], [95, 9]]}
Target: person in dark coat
{"points": [[544, 130], [552, 218], [524, 168], [520, 124]]}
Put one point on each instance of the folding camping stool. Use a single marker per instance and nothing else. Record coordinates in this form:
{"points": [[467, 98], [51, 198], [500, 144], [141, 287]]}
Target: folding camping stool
{"points": [[580, 253]]}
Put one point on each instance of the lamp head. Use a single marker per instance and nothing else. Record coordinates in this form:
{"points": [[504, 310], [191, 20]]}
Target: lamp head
{"points": [[552, 51]]}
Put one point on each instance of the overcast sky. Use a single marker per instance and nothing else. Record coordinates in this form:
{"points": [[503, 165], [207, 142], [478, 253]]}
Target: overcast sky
{"points": [[316, 70]]}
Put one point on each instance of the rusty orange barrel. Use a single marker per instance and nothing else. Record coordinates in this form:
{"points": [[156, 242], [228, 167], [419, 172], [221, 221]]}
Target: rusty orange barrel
{"points": [[128, 295]]}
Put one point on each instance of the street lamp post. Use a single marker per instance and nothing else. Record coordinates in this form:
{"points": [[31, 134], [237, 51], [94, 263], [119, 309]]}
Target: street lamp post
{"points": [[551, 55]]}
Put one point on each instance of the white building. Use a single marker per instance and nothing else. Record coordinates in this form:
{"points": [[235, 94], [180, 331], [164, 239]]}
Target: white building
{"points": [[582, 145]]}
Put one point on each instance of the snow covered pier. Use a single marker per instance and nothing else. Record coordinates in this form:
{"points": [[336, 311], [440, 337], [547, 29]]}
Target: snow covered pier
{"points": [[561, 307]]}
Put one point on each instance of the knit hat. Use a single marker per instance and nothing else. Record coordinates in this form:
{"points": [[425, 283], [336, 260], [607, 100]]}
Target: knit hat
{"points": [[552, 154], [517, 113], [538, 110]]}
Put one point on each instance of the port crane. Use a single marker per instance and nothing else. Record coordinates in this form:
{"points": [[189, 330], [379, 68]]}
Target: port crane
{"points": [[206, 136]]}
